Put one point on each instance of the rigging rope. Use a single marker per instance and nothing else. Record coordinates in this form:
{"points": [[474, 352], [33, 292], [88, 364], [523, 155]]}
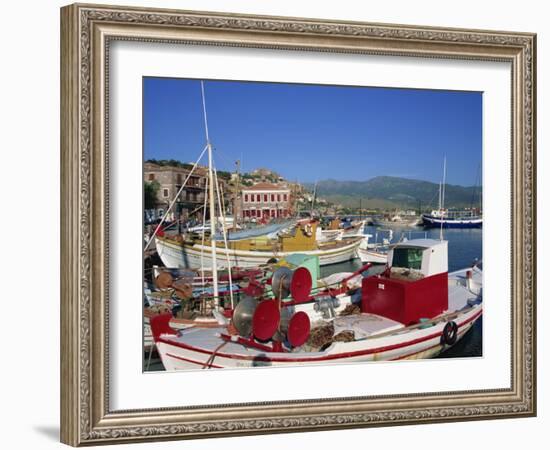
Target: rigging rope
{"points": [[204, 230], [224, 236], [174, 200]]}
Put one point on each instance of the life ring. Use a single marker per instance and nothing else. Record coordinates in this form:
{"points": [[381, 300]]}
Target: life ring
{"points": [[308, 230], [450, 333]]}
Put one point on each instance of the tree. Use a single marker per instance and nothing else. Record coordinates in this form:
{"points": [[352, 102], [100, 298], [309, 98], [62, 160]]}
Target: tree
{"points": [[150, 191]]}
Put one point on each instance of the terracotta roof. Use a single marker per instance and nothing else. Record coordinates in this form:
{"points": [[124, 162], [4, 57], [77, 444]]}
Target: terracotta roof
{"points": [[265, 187]]}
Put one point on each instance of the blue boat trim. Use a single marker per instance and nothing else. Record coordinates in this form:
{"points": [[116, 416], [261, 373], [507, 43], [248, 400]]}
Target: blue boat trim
{"points": [[436, 222]]}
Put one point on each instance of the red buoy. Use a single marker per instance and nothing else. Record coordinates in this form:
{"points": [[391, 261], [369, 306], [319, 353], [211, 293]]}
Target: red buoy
{"points": [[266, 320], [300, 286], [299, 327]]}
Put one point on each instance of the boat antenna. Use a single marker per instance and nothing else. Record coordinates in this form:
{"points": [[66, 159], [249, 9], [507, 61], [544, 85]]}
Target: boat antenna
{"points": [[439, 200], [313, 199], [212, 204], [443, 196]]}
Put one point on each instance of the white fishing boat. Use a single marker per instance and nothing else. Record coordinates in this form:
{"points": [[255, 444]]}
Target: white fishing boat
{"points": [[397, 221], [357, 229], [414, 309], [374, 253], [298, 275], [252, 252], [328, 235], [337, 232]]}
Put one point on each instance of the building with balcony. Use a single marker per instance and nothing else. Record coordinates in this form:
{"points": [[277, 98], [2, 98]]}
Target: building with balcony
{"points": [[170, 179]]}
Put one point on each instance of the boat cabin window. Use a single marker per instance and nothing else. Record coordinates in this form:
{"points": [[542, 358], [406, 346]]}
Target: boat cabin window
{"points": [[407, 257]]}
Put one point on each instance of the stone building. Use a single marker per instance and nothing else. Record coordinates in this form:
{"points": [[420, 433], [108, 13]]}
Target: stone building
{"points": [[266, 201], [170, 179]]}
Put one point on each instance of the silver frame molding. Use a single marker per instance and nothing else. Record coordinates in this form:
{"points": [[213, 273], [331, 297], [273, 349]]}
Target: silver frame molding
{"points": [[86, 31]]}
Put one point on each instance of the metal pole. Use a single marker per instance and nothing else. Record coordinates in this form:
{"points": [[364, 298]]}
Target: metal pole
{"points": [[220, 203], [443, 197], [212, 205]]}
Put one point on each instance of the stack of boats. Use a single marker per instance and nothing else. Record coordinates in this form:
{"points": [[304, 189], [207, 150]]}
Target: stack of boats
{"points": [[413, 309]]}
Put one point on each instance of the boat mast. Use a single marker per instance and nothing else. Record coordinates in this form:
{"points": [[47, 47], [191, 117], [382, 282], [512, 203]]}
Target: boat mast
{"points": [[443, 184], [212, 205], [236, 198], [313, 199], [443, 196], [439, 201]]}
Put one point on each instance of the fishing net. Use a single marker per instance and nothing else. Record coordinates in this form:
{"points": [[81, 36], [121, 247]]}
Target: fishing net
{"points": [[350, 310], [322, 336]]}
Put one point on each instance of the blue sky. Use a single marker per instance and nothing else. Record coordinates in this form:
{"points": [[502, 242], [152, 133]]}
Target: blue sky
{"points": [[312, 132]]}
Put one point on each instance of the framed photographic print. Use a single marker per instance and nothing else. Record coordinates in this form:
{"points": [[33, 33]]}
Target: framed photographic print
{"points": [[276, 224]]}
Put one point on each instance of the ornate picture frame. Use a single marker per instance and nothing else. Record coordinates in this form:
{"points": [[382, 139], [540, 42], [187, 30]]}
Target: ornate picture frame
{"points": [[86, 34]]}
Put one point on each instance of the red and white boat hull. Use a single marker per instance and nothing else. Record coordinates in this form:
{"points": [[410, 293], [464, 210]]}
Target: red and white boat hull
{"points": [[203, 348]]}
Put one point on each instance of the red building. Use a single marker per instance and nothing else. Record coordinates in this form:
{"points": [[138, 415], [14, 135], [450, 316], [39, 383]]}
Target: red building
{"points": [[265, 201]]}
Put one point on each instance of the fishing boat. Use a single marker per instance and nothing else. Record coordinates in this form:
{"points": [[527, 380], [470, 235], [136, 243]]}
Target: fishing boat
{"points": [[328, 235], [377, 251], [178, 251], [336, 230], [280, 279], [396, 221], [414, 309], [228, 221], [372, 252], [355, 229]]}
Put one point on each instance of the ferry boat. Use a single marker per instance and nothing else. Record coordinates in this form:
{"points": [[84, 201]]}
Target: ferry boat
{"points": [[414, 309]]}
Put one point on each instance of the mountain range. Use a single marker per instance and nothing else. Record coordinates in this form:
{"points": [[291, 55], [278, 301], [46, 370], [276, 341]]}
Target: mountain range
{"points": [[393, 192]]}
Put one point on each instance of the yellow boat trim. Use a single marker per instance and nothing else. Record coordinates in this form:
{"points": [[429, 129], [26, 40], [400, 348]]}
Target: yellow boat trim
{"points": [[254, 253]]}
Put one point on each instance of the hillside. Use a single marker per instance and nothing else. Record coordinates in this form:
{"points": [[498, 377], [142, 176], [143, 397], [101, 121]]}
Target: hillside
{"points": [[389, 192]]}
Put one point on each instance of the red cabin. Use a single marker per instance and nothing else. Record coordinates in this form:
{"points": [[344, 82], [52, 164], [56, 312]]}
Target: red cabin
{"points": [[413, 286]]}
